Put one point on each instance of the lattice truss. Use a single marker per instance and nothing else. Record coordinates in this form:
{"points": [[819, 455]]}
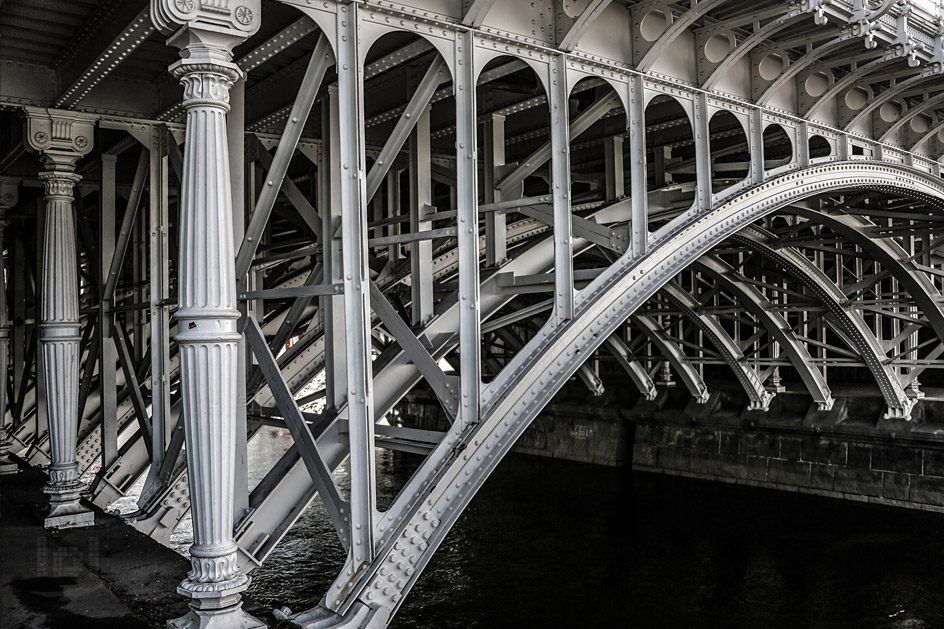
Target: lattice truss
{"points": [[478, 202]]}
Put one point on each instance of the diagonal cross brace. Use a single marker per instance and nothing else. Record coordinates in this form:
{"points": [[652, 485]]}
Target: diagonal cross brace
{"points": [[321, 58], [321, 476], [539, 157], [401, 132], [445, 387]]}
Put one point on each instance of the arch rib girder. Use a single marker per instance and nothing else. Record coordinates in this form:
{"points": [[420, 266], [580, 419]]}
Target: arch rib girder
{"points": [[849, 322], [757, 304], [674, 354], [454, 471], [892, 257], [678, 26], [637, 374], [730, 352]]}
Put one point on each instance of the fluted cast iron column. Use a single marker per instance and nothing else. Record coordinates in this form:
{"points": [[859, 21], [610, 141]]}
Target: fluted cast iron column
{"points": [[59, 339], [207, 340]]}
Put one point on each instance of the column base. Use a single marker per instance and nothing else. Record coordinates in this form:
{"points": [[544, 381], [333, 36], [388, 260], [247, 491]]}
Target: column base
{"points": [[215, 608], [68, 515], [9, 468]]}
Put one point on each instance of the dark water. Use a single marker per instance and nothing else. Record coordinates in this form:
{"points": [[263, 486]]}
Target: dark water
{"points": [[556, 544]]}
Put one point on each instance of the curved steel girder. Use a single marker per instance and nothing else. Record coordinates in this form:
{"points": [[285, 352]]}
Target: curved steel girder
{"points": [[636, 372], [444, 484], [674, 354], [891, 256], [801, 64], [581, 23], [849, 323], [757, 304], [791, 17], [898, 88], [839, 86], [676, 28], [727, 348], [930, 133], [908, 116]]}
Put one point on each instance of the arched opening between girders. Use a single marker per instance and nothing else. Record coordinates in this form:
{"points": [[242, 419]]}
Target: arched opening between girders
{"points": [[730, 153], [670, 159]]}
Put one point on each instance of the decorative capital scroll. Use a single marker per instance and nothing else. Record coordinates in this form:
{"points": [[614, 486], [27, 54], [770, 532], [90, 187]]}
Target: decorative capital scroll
{"points": [[59, 130], [237, 18]]}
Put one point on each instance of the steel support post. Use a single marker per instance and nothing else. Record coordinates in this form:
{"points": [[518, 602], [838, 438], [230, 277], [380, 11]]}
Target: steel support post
{"points": [[636, 121], [159, 283], [702, 154], [8, 198], [108, 354], [332, 305], [613, 157], [421, 198], [55, 136], [470, 364], [756, 128], [495, 222], [207, 316], [236, 142], [560, 189], [360, 403]]}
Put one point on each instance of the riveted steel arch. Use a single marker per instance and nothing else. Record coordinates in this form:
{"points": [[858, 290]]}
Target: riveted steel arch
{"points": [[511, 402]]}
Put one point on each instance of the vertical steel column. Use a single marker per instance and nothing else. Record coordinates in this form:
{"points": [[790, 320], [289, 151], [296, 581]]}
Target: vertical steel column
{"points": [[108, 355], [236, 141], [159, 284], [360, 401], [756, 128], [613, 157], [495, 235], [421, 199], [332, 306], [207, 316], [470, 349], [8, 198], [638, 187], [393, 209], [702, 154], [560, 189]]}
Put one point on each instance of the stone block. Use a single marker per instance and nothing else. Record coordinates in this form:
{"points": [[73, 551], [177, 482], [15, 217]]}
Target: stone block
{"points": [[927, 490], [674, 459], [896, 486], [759, 444], [934, 462], [794, 473], [644, 454], [859, 456], [705, 442], [859, 482], [791, 448], [729, 442], [821, 476], [894, 458], [820, 450], [650, 433], [757, 468], [679, 437]]}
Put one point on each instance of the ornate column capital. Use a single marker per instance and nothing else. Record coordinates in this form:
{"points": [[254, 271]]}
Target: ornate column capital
{"points": [[56, 130], [239, 18]]}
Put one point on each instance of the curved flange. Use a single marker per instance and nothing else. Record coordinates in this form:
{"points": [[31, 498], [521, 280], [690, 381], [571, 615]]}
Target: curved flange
{"points": [[757, 304], [727, 348], [891, 256], [674, 354], [848, 322]]}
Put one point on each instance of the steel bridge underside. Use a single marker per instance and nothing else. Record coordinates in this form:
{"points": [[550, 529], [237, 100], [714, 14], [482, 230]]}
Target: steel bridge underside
{"points": [[315, 209]]}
